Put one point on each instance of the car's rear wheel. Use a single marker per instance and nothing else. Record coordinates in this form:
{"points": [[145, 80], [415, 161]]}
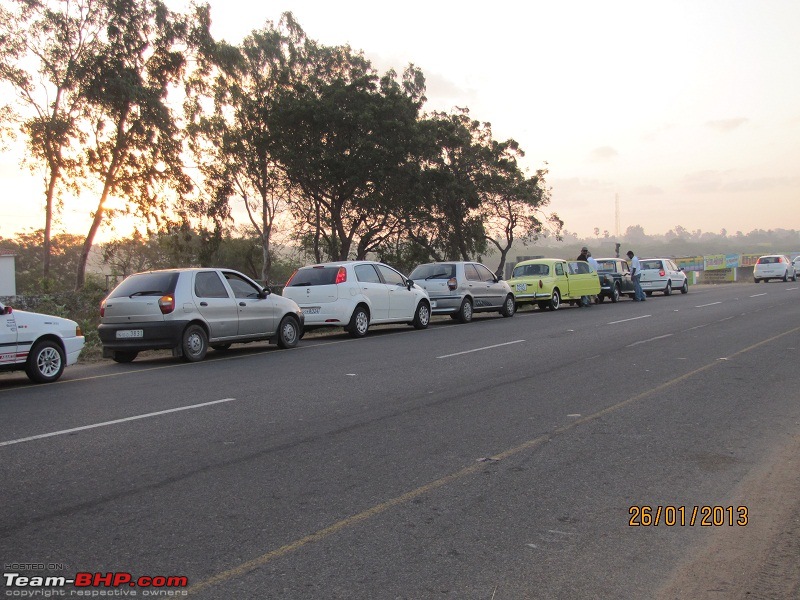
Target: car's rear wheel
{"points": [[45, 362], [685, 287], [465, 312], [288, 332], [195, 343], [555, 300], [668, 289], [615, 293], [124, 356], [509, 306], [359, 322], [422, 316]]}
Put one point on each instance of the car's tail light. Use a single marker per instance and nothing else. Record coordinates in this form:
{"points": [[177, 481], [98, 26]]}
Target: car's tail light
{"points": [[102, 309], [341, 276], [166, 304], [78, 331], [288, 281], [452, 284], [661, 273]]}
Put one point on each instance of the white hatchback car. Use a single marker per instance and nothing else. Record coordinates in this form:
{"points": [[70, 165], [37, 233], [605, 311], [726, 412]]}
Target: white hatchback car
{"points": [[40, 344], [662, 275], [774, 266], [355, 294]]}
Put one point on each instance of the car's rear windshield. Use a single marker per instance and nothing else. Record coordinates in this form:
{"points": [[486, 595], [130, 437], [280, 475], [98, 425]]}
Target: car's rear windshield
{"points": [[314, 276], [769, 260], [433, 271], [146, 284], [531, 271], [606, 265], [651, 264]]}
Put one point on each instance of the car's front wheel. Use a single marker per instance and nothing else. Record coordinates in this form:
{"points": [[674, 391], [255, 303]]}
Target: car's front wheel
{"points": [[509, 306], [46, 362], [288, 332], [685, 287], [422, 316], [359, 322], [555, 300], [195, 343]]}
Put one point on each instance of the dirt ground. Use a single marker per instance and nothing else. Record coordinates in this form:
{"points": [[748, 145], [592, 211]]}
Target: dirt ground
{"points": [[760, 560]]}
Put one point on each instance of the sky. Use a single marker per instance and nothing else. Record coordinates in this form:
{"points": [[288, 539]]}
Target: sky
{"points": [[687, 112]]}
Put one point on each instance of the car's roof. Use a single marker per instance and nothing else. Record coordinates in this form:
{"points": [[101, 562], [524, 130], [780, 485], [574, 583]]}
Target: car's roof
{"points": [[539, 261], [341, 263], [772, 256]]}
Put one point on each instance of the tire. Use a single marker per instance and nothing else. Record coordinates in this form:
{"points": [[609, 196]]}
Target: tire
{"points": [[794, 277], [756, 280], [786, 276], [685, 287], [509, 306], [615, 294], [555, 300], [600, 299], [465, 312], [220, 347], [422, 316], [668, 289], [359, 322], [288, 333], [46, 362], [194, 343], [124, 356]]}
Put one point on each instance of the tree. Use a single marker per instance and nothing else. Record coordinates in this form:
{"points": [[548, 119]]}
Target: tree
{"points": [[231, 142], [136, 146], [57, 37], [347, 142]]}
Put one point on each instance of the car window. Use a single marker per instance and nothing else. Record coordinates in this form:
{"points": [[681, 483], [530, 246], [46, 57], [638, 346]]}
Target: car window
{"points": [[471, 273], [390, 276], [606, 265], [242, 288], [651, 264], [559, 268], [207, 284], [146, 284], [367, 274], [434, 271], [314, 276], [484, 273]]}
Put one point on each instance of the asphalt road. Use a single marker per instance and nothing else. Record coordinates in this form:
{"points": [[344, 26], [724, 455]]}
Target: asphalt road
{"points": [[494, 460]]}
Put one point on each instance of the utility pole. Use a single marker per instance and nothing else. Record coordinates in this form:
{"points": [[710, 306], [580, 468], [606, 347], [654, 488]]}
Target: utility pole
{"points": [[616, 222]]}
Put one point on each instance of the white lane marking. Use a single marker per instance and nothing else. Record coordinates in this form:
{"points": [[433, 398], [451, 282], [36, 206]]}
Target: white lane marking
{"points": [[725, 319], [709, 304], [631, 319], [479, 349], [757, 295], [790, 289], [660, 337], [698, 326], [114, 422]]}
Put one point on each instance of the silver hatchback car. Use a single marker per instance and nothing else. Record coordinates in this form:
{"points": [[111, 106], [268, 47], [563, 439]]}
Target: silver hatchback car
{"points": [[460, 289], [188, 310]]}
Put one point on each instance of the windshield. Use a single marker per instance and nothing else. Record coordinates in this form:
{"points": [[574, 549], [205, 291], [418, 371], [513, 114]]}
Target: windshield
{"points": [[314, 276], [531, 270], [606, 265], [433, 271], [651, 264], [147, 284]]}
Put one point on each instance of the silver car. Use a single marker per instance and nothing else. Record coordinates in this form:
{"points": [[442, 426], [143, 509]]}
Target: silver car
{"points": [[188, 310], [460, 289]]}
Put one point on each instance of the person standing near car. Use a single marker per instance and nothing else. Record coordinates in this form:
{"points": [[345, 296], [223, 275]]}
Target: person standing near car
{"points": [[584, 256], [636, 274]]}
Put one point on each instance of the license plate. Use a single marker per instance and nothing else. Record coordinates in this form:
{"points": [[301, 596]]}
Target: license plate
{"points": [[314, 310], [521, 287], [130, 333]]}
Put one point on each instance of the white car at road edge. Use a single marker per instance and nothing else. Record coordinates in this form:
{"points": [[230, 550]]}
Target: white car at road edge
{"points": [[41, 345]]}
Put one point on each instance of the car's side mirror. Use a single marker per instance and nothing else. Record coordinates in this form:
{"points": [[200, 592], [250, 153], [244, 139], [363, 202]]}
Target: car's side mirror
{"points": [[264, 293], [7, 310], [409, 284]]}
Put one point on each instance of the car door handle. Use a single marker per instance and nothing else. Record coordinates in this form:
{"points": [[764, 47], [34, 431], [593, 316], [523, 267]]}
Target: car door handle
{"points": [[204, 304], [242, 303]]}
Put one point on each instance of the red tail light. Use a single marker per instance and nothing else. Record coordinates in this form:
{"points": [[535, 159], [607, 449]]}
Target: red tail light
{"points": [[166, 304], [288, 281], [661, 273], [452, 284], [102, 309], [341, 276]]}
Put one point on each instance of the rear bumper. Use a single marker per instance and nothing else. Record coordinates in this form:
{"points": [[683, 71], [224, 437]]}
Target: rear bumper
{"points": [[155, 336]]}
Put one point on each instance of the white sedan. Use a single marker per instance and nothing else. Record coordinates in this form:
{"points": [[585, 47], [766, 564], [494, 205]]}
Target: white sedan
{"points": [[41, 345]]}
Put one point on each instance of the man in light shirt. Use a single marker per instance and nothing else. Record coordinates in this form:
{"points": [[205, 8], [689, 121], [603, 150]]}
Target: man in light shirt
{"points": [[636, 273]]}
